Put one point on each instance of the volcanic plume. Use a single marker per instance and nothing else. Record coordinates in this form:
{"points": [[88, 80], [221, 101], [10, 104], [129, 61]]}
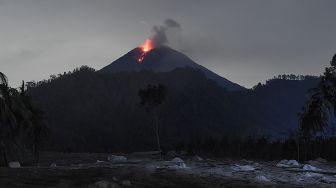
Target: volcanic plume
{"points": [[159, 37], [156, 55]]}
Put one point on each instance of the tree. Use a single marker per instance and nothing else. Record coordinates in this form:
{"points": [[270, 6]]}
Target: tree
{"points": [[315, 117], [36, 128], [151, 98], [18, 117], [7, 118]]}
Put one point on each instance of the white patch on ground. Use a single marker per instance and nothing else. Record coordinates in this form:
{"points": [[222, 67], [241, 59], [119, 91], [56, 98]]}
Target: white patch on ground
{"points": [[117, 159], [288, 163], [262, 179], [308, 167], [243, 168]]}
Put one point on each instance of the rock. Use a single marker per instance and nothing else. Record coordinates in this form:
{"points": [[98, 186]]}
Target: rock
{"points": [[182, 153], [126, 183], [101, 184], [312, 175], [146, 153], [197, 158], [243, 168], [14, 164], [104, 184], [308, 167], [53, 165], [179, 162], [171, 153], [321, 160], [328, 180], [117, 159], [262, 178], [288, 163]]}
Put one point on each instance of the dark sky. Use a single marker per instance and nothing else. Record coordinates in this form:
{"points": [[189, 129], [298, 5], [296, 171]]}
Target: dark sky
{"points": [[246, 41]]}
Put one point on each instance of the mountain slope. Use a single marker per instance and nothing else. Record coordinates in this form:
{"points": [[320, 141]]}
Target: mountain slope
{"points": [[163, 59], [88, 111]]}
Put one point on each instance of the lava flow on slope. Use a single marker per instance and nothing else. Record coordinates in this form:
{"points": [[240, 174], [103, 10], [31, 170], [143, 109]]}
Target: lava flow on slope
{"points": [[145, 47]]}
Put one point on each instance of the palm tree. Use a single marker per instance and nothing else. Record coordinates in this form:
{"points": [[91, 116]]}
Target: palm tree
{"points": [[19, 119], [315, 117], [34, 126], [7, 117]]}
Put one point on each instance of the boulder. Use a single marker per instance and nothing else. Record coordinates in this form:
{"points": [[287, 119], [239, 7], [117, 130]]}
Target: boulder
{"points": [[243, 168], [178, 162], [321, 160], [288, 163], [126, 183], [197, 158], [171, 153], [308, 167], [14, 164], [262, 178], [117, 159]]}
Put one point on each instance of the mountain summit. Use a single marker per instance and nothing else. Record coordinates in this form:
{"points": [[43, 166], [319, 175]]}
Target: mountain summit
{"points": [[162, 59]]}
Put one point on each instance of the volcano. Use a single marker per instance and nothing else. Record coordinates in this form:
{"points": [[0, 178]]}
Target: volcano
{"points": [[162, 59]]}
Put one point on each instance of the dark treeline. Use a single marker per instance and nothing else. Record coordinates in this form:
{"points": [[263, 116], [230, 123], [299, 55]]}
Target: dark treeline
{"points": [[293, 77], [262, 148]]}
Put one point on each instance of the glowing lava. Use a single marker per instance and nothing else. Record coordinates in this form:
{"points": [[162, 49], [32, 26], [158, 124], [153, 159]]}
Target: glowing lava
{"points": [[146, 47]]}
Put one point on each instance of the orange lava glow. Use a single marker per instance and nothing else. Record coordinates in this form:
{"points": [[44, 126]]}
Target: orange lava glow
{"points": [[145, 47]]}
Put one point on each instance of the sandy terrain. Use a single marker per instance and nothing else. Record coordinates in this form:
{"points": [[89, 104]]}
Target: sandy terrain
{"points": [[96, 171]]}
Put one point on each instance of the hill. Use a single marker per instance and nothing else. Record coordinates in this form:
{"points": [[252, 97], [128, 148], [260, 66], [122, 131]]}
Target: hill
{"points": [[90, 111]]}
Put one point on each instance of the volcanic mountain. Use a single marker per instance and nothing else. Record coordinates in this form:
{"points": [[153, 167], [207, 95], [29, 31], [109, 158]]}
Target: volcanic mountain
{"points": [[163, 59]]}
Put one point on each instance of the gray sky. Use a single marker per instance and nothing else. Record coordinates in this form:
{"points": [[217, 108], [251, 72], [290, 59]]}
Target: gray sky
{"points": [[246, 41]]}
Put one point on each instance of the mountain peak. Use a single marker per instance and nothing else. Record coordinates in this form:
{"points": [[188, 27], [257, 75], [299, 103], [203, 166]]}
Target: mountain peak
{"points": [[162, 59]]}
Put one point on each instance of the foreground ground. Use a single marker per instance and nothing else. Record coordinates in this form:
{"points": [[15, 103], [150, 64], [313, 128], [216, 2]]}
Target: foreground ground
{"points": [[145, 171]]}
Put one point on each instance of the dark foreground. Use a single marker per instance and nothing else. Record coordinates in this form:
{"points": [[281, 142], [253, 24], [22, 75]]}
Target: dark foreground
{"points": [[95, 171]]}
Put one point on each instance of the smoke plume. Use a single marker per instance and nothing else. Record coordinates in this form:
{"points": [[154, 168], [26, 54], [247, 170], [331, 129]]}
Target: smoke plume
{"points": [[160, 32]]}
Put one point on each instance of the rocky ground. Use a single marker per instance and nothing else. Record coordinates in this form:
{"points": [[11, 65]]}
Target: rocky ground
{"points": [[145, 170]]}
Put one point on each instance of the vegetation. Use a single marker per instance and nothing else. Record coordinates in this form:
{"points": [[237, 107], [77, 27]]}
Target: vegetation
{"points": [[21, 123], [197, 116], [315, 117], [151, 98], [92, 112]]}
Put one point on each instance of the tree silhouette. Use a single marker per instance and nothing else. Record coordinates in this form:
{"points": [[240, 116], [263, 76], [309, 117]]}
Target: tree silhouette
{"points": [[18, 117], [36, 128], [151, 98], [7, 118], [314, 118]]}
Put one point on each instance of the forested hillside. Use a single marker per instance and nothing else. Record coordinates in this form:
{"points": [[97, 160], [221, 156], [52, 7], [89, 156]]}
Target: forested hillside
{"points": [[88, 111]]}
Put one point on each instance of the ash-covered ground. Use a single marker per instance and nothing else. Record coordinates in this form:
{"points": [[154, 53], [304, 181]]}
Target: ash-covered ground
{"points": [[149, 171]]}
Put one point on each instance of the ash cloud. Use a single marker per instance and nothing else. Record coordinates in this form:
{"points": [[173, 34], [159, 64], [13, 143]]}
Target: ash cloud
{"points": [[160, 33]]}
